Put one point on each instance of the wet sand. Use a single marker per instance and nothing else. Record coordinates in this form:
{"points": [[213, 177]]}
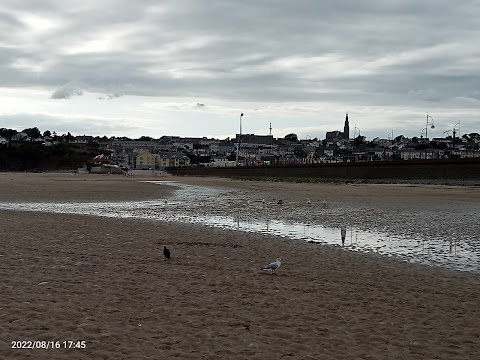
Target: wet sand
{"points": [[67, 277]]}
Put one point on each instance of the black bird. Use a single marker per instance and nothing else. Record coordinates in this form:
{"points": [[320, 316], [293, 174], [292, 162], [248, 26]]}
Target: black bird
{"points": [[166, 252]]}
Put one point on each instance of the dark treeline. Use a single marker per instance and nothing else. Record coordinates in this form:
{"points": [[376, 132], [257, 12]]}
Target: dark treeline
{"points": [[34, 133], [18, 155], [32, 155]]}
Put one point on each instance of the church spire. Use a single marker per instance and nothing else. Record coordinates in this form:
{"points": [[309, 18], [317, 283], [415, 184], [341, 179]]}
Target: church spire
{"points": [[346, 129]]}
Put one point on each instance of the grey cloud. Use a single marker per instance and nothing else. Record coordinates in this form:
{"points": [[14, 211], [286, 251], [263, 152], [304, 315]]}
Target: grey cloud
{"points": [[414, 53], [109, 96], [8, 23], [66, 92], [244, 40]]}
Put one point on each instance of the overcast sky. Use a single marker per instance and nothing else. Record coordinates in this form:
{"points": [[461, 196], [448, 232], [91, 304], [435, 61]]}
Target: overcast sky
{"points": [[191, 67]]}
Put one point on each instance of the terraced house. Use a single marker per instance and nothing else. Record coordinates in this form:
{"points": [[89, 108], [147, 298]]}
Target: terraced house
{"points": [[161, 160]]}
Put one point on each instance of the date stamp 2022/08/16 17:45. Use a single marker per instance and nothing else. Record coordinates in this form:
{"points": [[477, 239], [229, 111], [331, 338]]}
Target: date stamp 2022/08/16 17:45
{"points": [[48, 344]]}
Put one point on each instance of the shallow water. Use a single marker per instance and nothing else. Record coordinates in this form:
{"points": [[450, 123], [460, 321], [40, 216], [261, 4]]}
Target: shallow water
{"points": [[223, 208]]}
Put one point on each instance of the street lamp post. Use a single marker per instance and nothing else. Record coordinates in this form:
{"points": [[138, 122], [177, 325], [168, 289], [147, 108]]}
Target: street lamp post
{"points": [[454, 132], [239, 138], [456, 126], [421, 134], [354, 130], [388, 136], [429, 123], [355, 142]]}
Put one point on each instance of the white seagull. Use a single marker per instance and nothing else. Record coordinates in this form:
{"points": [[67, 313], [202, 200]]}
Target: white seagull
{"points": [[273, 265]]}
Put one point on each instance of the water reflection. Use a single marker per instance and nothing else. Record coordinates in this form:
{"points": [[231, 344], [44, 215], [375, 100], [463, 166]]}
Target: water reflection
{"points": [[453, 246], [188, 205], [432, 251], [343, 234]]}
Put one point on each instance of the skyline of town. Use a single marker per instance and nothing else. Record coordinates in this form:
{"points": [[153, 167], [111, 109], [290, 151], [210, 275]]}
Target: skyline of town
{"points": [[353, 132], [242, 150]]}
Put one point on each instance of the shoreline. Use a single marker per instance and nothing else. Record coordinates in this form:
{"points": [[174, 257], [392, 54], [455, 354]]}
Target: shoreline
{"points": [[104, 280]]}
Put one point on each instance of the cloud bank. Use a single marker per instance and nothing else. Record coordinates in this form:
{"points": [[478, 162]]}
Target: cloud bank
{"points": [[400, 58]]}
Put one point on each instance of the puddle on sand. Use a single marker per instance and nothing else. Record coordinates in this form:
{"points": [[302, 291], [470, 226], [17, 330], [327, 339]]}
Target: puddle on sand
{"points": [[218, 208], [455, 255]]}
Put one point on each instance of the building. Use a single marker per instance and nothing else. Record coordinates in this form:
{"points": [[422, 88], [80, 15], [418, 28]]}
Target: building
{"points": [[172, 159], [255, 140], [82, 140], [337, 134], [145, 160], [221, 161], [20, 136]]}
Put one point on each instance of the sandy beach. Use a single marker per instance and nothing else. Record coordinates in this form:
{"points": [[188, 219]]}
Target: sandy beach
{"points": [[104, 281]]}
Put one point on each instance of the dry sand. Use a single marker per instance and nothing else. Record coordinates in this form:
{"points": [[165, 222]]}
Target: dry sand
{"points": [[104, 281]]}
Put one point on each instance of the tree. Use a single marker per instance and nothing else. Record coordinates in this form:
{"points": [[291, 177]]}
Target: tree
{"points": [[292, 137], [359, 140], [47, 133], [67, 137], [420, 146], [7, 133], [473, 135], [33, 133], [438, 145], [144, 138]]}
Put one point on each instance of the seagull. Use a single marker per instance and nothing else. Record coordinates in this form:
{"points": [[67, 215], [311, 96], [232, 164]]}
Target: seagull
{"points": [[166, 252], [308, 201], [273, 265]]}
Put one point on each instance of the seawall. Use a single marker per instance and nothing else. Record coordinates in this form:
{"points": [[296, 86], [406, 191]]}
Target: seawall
{"points": [[438, 170]]}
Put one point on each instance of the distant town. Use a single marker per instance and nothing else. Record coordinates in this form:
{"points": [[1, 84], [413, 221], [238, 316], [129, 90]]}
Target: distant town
{"points": [[250, 149]]}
